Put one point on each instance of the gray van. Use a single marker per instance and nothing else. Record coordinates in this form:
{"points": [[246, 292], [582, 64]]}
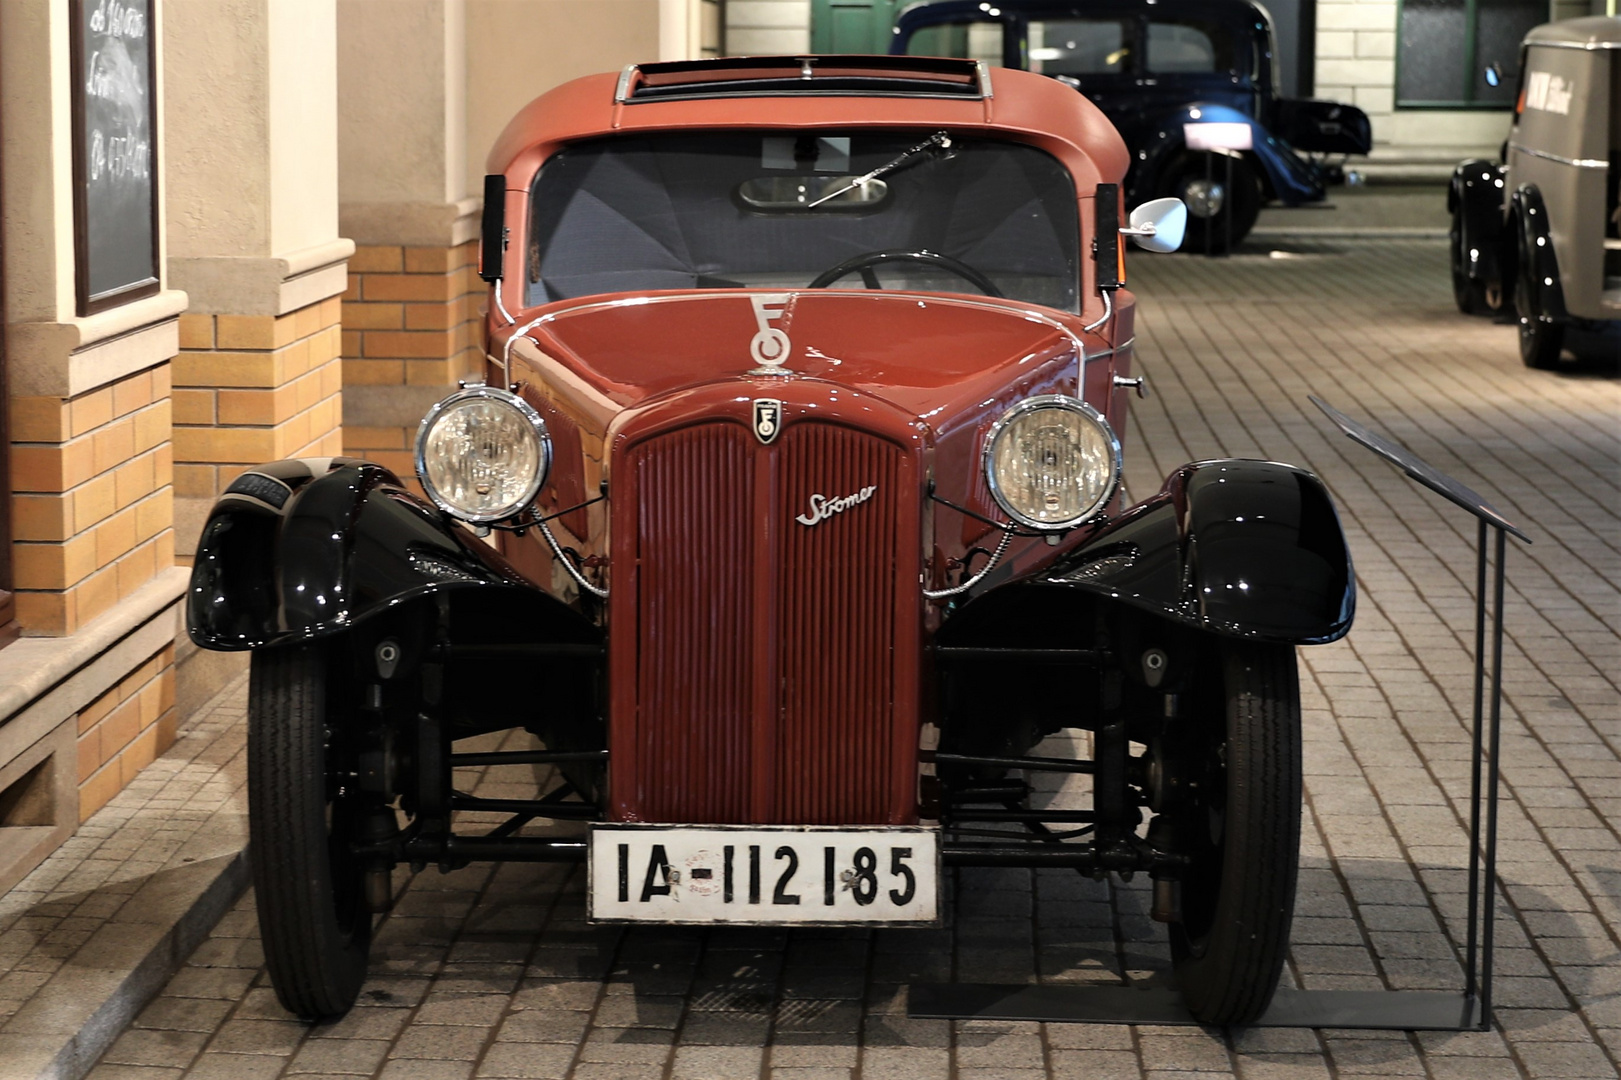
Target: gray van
{"points": [[1542, 230]]}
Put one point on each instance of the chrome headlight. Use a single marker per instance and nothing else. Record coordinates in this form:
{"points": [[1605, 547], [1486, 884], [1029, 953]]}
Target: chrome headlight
{"points": [[1052, 462], [482, 454]]}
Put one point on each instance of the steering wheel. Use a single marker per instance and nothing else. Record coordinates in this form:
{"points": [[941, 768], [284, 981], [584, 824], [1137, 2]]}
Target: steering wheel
{"points": [[865, 262]]}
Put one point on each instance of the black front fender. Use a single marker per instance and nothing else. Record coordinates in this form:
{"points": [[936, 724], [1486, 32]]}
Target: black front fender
{"points": [[1248, 549], [306, 549]]}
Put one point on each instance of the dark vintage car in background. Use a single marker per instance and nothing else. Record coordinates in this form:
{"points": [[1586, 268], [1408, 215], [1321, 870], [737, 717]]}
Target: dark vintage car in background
{"points": [[1541, 230], [1155, 67], [788, 522]]}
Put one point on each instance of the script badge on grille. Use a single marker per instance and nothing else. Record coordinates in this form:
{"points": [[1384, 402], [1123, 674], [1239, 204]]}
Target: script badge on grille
{"points": [[767, 418]]}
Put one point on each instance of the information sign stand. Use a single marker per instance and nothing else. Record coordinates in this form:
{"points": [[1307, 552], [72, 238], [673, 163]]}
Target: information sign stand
{"points": [[1398, 1010]]}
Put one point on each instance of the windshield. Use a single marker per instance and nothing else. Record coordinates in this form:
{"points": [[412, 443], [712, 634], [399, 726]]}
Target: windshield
{"points": [[710, 210]]}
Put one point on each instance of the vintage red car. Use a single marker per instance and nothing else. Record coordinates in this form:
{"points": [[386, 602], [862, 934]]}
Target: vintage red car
{"points": [[788, 520]]}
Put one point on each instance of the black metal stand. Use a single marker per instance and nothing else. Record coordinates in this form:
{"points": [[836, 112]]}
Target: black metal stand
{"points": [[1398, 1010]]}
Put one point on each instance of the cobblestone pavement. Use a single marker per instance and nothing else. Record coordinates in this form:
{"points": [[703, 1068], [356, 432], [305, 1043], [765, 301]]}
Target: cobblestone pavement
{"points": [[492, 972]]}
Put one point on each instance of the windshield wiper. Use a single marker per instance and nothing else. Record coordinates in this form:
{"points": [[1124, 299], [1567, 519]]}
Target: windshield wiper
{"points": [[939, 138]]}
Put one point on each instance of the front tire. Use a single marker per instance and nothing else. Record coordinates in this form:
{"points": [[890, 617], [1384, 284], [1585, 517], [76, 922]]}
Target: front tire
{"points": [[308, 885], [1239, 894]]}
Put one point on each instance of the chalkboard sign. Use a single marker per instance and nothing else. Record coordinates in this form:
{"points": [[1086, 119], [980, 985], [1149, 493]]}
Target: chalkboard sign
{"points": [[115, 203]]}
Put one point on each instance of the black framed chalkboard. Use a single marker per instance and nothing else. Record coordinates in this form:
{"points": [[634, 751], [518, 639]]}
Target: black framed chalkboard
{"points": [[115, 168]]}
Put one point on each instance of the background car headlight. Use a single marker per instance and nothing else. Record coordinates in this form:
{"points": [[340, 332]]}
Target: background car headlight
{"points": [[482, 454], [1052, 462]]}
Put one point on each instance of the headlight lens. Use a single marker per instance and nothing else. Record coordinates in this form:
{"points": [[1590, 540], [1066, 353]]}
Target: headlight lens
{"points": [[482, 454], [1052, 462]]}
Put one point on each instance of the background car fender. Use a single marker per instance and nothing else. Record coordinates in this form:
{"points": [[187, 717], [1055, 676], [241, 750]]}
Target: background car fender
{"points": [[1475, 199], [1534, 246], [1289, 179], [306, 549], [1248, 549]]}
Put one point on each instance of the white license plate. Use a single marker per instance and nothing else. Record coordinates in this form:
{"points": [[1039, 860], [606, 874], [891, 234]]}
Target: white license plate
{"points": [[784, 874]]}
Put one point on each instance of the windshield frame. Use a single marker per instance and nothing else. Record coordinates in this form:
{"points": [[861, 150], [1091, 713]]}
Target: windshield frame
{"points": [[1065, 205]]}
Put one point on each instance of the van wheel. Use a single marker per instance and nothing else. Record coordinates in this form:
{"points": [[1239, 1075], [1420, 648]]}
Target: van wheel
{"points": [[1541, 339], [1238, 896], [308, 885], [1212, 203]]}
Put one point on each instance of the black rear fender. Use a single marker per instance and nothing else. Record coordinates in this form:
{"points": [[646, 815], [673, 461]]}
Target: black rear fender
{"points": [[1476, 201]]}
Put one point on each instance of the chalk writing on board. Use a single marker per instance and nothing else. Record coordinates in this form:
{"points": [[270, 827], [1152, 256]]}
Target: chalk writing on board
{"points": [[118, 244]]}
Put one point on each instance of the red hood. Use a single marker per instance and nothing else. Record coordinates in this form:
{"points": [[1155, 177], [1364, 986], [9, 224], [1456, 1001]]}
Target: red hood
{"points": [[934, 356]]}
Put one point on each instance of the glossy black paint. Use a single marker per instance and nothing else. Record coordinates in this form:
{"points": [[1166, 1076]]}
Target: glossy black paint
{"points": [[1249, 549], [1538, 264], [307, 549], [1149, 108], [1475, 200]]}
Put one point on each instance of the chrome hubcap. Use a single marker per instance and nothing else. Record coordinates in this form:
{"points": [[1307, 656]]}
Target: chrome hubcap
{"points": [[1204, 197]]}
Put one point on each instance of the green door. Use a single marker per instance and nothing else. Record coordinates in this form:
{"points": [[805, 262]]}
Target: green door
{"points": [[852, 26]]}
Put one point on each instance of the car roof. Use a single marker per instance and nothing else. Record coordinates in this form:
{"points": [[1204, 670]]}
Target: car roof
{"points": [[1593, 32], [847, 92], [930, 11]]}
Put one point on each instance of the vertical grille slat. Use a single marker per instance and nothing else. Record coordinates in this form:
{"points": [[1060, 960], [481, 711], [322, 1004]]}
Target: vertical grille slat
{"points": [[703, 526], [835, 660], [692, 629]]}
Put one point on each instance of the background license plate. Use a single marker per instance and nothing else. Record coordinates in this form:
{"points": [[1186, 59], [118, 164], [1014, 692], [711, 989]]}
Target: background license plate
{"points": [[788, 874]]}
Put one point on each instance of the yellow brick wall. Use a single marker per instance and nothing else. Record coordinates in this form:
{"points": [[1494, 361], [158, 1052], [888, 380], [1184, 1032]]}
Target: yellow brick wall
{"points": [[125, 729], [92, 499], [410, 318], [255, 388]]}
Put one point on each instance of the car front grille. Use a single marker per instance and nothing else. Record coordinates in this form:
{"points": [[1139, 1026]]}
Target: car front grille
{"points": [[771, 657]]}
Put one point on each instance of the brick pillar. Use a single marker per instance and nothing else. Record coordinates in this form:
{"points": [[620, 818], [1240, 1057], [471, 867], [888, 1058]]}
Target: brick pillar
{"points": [[253, 239], [410, 319], [255, 388], [92, 501]]}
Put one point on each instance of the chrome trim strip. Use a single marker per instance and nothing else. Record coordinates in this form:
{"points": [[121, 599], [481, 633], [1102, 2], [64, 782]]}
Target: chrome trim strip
{"points": [[1108, 311], [1584, 46], [1580, 163], [984, 72], [623, 88]]}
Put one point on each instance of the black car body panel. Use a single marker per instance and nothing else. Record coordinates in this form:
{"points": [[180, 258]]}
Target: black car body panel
{"points": [[1149, 107], [1249, 549], [296, 550], [1475, 199]]}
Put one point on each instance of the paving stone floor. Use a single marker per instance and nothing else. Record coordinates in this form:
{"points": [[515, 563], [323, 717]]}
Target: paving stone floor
{"points": [[492, 972]]}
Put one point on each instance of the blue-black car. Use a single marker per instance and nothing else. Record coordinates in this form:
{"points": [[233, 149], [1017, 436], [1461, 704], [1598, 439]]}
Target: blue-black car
{"points": [[1157, 68]]}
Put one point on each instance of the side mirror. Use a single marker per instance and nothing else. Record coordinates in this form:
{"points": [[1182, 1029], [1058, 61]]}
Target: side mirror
{"points": [[1494, 75], [493, 243], [1158, 225]]}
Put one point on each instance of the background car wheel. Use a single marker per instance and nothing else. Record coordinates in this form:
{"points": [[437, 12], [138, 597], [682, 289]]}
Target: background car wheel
{"points": [[1239, 896], [309, 887], [1212, 202], [1472, 297]]}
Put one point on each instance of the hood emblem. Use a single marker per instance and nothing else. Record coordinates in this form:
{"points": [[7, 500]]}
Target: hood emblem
{"points": [[822, 507], [767, 418], [769, 347]]}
